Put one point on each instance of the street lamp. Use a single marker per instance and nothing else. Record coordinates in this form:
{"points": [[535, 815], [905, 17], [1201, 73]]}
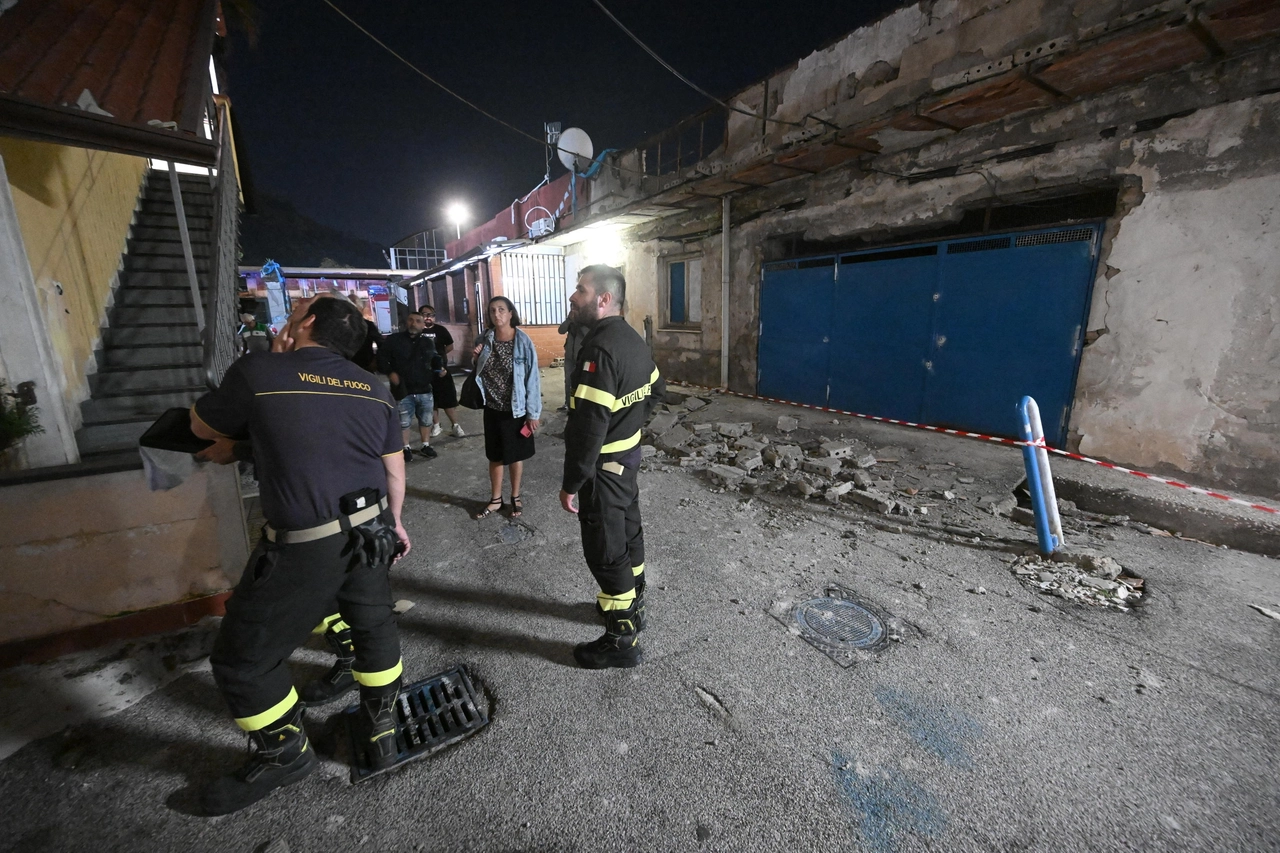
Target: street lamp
{"points": [[457, 213]]}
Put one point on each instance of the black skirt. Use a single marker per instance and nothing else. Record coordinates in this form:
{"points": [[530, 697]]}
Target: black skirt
{"points": [[445, 392], [502, 439]]}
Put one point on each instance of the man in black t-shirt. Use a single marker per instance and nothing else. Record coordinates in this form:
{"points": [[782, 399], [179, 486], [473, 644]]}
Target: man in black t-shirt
{"points": [[442, 387], [327, 447], [410, 360]]}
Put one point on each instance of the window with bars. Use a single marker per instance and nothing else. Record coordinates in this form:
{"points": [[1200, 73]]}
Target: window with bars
{"points": [[535, 284], [682, 299]]}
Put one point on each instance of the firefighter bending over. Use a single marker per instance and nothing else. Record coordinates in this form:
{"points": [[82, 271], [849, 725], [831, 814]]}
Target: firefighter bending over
{"points": [[326, 441]]}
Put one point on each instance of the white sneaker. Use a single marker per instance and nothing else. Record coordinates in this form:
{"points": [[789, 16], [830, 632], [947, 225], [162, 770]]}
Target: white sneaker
{"points": [[457, 431], [436, 430]]}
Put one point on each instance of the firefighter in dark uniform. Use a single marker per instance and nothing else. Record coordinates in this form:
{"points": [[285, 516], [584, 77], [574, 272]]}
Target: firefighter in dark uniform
{"points": [[616, 387], [326, 442]]}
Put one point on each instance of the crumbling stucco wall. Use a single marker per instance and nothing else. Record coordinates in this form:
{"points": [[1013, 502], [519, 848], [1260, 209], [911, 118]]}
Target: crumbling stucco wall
{"points": [[80, 551], [1186, 371]]}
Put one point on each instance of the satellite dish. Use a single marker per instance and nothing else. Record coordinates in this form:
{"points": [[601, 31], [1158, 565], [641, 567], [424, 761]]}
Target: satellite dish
{"points": [[574, 149]]}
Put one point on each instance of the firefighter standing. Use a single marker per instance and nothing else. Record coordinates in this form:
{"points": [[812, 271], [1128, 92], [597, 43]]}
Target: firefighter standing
{"points": [[616, 387], [327, 445]]}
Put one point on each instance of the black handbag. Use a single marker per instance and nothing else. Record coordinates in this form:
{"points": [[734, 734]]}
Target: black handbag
{"points": [[471, 397]]}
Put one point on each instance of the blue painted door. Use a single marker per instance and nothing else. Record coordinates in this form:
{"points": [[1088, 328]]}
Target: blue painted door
{"points": [[1009, 321], [795, 328], [952, 333], [881, 331]]}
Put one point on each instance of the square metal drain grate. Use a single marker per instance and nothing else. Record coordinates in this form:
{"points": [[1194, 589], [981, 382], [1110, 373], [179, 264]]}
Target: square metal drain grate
{"points": [[838, 624], [430, 714]]}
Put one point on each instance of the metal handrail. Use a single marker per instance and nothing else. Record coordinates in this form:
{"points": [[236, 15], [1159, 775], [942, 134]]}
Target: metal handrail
{"points": [[218, 337]]}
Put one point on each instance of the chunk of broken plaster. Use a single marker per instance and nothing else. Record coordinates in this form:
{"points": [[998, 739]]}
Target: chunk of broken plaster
{"points": [[786, 423]]}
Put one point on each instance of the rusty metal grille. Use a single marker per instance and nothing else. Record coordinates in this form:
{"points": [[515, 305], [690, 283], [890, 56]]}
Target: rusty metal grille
{"points": [[430, 715], [979, 245], [1075, 235]]}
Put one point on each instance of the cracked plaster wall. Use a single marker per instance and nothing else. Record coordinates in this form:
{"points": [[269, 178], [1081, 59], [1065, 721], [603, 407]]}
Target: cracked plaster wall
{"points": [[1186, 371], [78, 551]]}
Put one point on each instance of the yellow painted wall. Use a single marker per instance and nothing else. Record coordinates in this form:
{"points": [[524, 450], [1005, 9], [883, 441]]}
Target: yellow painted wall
{"points": [[74, 208]]}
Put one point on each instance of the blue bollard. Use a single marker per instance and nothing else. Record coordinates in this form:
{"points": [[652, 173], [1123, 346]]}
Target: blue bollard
{"points": [[1035, 459]]}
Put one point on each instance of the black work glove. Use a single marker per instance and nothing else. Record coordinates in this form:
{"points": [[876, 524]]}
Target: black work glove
{"points": [[377, 543]]}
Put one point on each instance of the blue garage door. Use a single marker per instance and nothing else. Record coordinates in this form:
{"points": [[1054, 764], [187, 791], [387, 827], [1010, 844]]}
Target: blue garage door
{"points": [[795, 318], [951, 333]]}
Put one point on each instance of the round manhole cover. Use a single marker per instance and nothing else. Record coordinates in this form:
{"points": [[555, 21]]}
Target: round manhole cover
{"points": [[840, 624]]}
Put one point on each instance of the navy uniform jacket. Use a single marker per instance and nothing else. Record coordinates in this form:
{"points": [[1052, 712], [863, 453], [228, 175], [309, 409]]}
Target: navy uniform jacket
{"points": [[319, 425], [616, 388]]}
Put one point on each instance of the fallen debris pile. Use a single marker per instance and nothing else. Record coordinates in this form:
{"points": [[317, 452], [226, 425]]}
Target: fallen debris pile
{"points": [[837, 470], [1082, 575]]}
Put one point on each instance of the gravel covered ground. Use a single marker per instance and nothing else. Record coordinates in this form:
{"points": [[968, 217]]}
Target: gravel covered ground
{"points": [[1000, 716]]}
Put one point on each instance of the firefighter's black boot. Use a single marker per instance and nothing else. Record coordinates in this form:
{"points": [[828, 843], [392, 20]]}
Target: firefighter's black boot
{"points": [[378, 705], [639, 607], [338, 681], [282, 755], [619, 647]]}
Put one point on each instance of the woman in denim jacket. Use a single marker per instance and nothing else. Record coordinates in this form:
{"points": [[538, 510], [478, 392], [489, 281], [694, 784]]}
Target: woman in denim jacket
{"points": [[507, 375]]}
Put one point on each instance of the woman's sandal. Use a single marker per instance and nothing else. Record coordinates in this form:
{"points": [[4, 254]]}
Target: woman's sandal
{"points": [[489, 508], [517, 506]]}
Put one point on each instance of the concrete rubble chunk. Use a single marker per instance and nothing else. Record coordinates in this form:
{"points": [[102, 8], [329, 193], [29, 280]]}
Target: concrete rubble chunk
{"points": [[647, 450], [998, 504], [805, 489], [1097, 583], [749, 460], [733, 430], [874, 500], [825, 466], [837, 491], [864, 461], [862, 479], [727, 475], [746, 443], [786, 423], [694, 403], [837, 449], [700, 428], [662, 422], [964, 480], [1022, 515], [674, 438]]}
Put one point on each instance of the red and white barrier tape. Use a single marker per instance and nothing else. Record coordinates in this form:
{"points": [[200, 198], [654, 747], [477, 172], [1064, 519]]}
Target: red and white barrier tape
{"points": [[992, 438]]}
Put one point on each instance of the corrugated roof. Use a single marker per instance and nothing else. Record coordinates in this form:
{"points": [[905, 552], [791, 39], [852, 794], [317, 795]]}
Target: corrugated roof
{"points": [[143, 63]]}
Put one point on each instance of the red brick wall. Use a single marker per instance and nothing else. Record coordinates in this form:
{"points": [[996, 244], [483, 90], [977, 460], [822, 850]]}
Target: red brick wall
{"points": [[548, 342]]}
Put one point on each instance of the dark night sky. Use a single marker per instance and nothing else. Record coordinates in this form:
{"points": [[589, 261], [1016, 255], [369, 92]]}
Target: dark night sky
{"points": [[358, 141]]}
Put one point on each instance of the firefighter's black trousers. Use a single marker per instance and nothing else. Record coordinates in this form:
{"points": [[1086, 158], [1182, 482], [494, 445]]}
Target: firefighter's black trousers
{"points": [[284, 592], [612, 533]]}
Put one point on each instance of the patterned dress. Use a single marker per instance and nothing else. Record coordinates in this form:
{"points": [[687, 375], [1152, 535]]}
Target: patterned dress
{"points": [[498, 375]]}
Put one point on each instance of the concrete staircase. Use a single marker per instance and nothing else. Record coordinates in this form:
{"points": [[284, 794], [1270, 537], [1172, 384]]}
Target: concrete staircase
{"points": [[150, 357]]}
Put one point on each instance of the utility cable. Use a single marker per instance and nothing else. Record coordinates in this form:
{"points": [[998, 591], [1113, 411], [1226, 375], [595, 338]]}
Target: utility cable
{"points": [[541, 142], [433, 80], [692, 85]]}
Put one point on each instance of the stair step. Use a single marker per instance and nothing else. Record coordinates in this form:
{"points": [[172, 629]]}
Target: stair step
{"points": [[125, 381], [196, 225], [143, 231], [151, 279], [106, 438], [140, 297], [148, 356], [164, 263], [167, 248], [151, 315], [167, 335], [137, 406], [191, 203]]}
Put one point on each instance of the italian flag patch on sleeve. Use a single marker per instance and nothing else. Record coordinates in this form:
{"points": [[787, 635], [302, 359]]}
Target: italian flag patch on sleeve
{"points": [[589, 366]]}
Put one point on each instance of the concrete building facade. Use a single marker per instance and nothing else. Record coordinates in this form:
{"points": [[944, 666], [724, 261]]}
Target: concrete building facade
{"points": [[1157, 124]]}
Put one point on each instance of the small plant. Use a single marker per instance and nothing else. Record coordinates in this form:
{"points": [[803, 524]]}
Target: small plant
{"points": [[18, 419]]}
